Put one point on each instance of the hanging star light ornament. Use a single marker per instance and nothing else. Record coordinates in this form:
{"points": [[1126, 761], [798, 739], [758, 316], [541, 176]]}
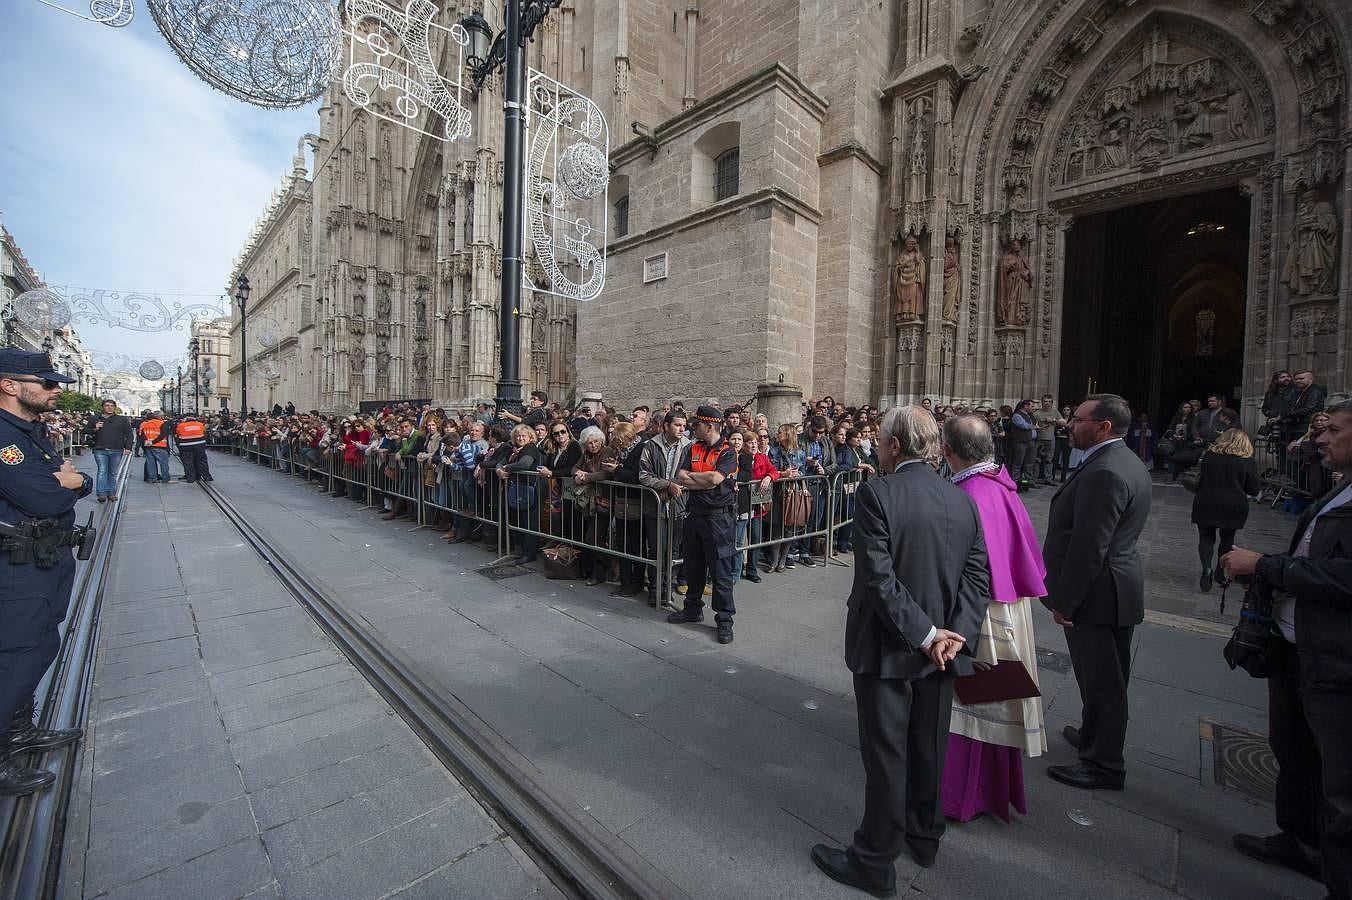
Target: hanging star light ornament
{"points": [[392, 70], [113, 13], [567, 179], [274, 53]]}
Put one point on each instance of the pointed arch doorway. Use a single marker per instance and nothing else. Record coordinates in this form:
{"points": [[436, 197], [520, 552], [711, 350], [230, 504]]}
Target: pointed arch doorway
{"points": [[1154, 301]]}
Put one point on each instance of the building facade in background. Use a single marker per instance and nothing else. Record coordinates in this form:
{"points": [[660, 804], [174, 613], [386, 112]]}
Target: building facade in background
{"points": [[213, 338], [975, 201]]}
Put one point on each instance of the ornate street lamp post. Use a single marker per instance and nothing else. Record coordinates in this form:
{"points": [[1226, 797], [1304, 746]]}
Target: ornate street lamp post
{"points": [[242, 298], [178, 392], [508, 50], [195, 348]]}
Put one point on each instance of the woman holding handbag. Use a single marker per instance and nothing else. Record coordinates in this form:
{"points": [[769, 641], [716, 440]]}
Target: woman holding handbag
{"points": [[1226, 479], [789, 459]]}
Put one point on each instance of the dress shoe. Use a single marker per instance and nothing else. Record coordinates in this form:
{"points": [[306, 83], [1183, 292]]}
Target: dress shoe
{"points": [[837, 866], [681, 617], [16, 780], [30, 737], [752, 577], [923, 858], [724, 632], [1072, 736], [102, 499], [1089, 777], [1204, 583], [1280, 849]]}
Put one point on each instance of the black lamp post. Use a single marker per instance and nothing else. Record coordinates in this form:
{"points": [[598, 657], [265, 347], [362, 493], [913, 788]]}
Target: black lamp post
{"points": [[242, 298], [178, 392], [195, 348], [508, 50]]}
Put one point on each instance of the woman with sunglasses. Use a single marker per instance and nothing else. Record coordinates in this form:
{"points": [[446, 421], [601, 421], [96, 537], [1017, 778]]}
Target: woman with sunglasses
{"points": [[561, 455]]}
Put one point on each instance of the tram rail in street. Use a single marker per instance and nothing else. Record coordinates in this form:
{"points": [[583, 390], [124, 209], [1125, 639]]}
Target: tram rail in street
{"points": [[579, 860]]}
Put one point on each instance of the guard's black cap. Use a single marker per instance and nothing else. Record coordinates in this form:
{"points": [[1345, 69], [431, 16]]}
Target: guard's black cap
{"points": [[26, 362], [709, 414]]}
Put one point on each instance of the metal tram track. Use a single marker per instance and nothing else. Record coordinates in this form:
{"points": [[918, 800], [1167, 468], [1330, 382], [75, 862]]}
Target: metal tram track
{"points": [[579, 861], [33, 827]]}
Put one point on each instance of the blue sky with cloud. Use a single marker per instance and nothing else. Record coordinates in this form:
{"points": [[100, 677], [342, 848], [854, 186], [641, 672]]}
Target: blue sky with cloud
{"points": [[119, 168]]}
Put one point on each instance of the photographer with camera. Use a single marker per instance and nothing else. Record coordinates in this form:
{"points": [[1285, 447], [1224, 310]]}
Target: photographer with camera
{"points": [[1309, 671]]}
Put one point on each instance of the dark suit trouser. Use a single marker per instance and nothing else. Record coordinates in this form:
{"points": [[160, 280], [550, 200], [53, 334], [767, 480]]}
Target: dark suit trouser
{"points": [[1101, 656], [903, 733], [1310, 730]]}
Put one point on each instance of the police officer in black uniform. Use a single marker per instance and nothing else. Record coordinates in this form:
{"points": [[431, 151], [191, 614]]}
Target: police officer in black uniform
{"points": [[707, 471], [38, 491]]}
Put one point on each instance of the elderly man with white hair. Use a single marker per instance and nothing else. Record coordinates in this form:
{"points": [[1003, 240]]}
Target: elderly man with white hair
{"points": [[921, 586]]}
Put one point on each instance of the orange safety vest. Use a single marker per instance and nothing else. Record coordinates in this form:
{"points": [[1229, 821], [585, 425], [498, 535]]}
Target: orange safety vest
{"points": [[191, 431], [150, 433], [704, 458]]}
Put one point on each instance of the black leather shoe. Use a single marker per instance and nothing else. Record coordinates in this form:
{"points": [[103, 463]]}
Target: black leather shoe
{"points": [[725, 632], [33, 738], [1088, 777], [752, 577], [1280, 849], [1072, 736], [16, 780], [837, 866], [684, 618], [1204, 583]]}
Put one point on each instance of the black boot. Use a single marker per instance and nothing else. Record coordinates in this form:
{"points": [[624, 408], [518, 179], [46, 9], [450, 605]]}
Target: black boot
{"points": [[15, 779], [25, 736]]}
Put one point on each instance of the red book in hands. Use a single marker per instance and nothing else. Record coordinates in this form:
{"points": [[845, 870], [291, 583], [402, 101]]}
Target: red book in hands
{"points": [[1006, 680]]}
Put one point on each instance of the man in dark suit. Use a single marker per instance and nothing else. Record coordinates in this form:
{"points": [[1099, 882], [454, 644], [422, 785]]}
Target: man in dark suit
{"points": [[1096, 584], [921, 586]]}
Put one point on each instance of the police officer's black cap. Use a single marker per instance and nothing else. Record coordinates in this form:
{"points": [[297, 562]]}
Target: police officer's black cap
{"points": [[709, 414], [27, 362]]}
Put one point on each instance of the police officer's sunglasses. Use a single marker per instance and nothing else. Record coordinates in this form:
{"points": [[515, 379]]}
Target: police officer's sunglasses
{"points": [[47, 383]]}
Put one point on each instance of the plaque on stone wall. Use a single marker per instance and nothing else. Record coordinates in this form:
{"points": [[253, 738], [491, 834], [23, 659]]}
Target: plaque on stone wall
{"points": [[655, 268]]}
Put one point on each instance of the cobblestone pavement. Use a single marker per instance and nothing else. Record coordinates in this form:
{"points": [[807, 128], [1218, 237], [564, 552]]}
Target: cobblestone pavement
{"points": [[233, 752], [723, 765]]}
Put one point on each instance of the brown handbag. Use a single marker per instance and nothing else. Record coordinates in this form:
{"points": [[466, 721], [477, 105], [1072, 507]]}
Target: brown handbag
{"points": [[797, 507]]}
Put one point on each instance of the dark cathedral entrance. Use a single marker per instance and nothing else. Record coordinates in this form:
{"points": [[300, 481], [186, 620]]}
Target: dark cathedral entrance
{"points": [[1154, 302]]}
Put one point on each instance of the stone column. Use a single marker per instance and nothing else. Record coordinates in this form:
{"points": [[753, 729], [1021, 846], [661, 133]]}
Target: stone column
{"points": [[780, 402], [688, 96]]}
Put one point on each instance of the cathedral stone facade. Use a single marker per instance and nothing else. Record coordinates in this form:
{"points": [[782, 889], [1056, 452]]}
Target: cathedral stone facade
{"points": [[975, 201]]}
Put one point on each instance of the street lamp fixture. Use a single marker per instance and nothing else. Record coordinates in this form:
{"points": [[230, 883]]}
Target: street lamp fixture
{"points": [[508, 51], [242, 298], [195, 348]]}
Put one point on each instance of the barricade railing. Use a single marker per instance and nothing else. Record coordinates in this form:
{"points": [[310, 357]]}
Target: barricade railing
{"points": [[472, 508], [607, 521], [1288, 471], [789, 523], [840, 524]]}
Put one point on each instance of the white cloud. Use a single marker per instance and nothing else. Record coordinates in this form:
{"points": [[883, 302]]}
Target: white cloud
{"points": [[120, 168]]}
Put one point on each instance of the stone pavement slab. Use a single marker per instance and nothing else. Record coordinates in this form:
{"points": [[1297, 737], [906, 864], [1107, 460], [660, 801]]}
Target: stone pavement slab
{"points": [[722, 765], [233, 752]]}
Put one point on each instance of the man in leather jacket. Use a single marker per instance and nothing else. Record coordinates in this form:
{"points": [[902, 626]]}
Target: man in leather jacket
{"points": [[1310, 690]]}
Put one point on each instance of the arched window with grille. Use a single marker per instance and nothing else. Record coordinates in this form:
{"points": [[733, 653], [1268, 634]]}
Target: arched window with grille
{"points": [[725, 174]]}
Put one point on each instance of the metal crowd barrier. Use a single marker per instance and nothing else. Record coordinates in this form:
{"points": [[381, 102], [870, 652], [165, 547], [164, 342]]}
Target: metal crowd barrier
{"points": [[1288, 473], [609, 522]]}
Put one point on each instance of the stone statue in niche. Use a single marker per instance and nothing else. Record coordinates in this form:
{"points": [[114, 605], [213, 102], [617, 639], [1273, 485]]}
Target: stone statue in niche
{"points": [[1016, 286], [1206, 333], [1310, 269], [383, 304], [420, 308], [908, 281], [952, 280], [1238, 115], [539, 313]]}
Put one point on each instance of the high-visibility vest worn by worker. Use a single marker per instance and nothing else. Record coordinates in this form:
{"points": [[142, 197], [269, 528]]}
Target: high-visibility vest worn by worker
{"points": [[191, 432], [151, 433]]}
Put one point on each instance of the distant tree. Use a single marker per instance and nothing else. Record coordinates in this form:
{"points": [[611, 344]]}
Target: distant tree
{"points": [[74, 401]]}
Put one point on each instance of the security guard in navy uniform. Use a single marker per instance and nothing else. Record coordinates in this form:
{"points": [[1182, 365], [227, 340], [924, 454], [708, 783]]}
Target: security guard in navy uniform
{"points": [[38, 491], [708, 472]]}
